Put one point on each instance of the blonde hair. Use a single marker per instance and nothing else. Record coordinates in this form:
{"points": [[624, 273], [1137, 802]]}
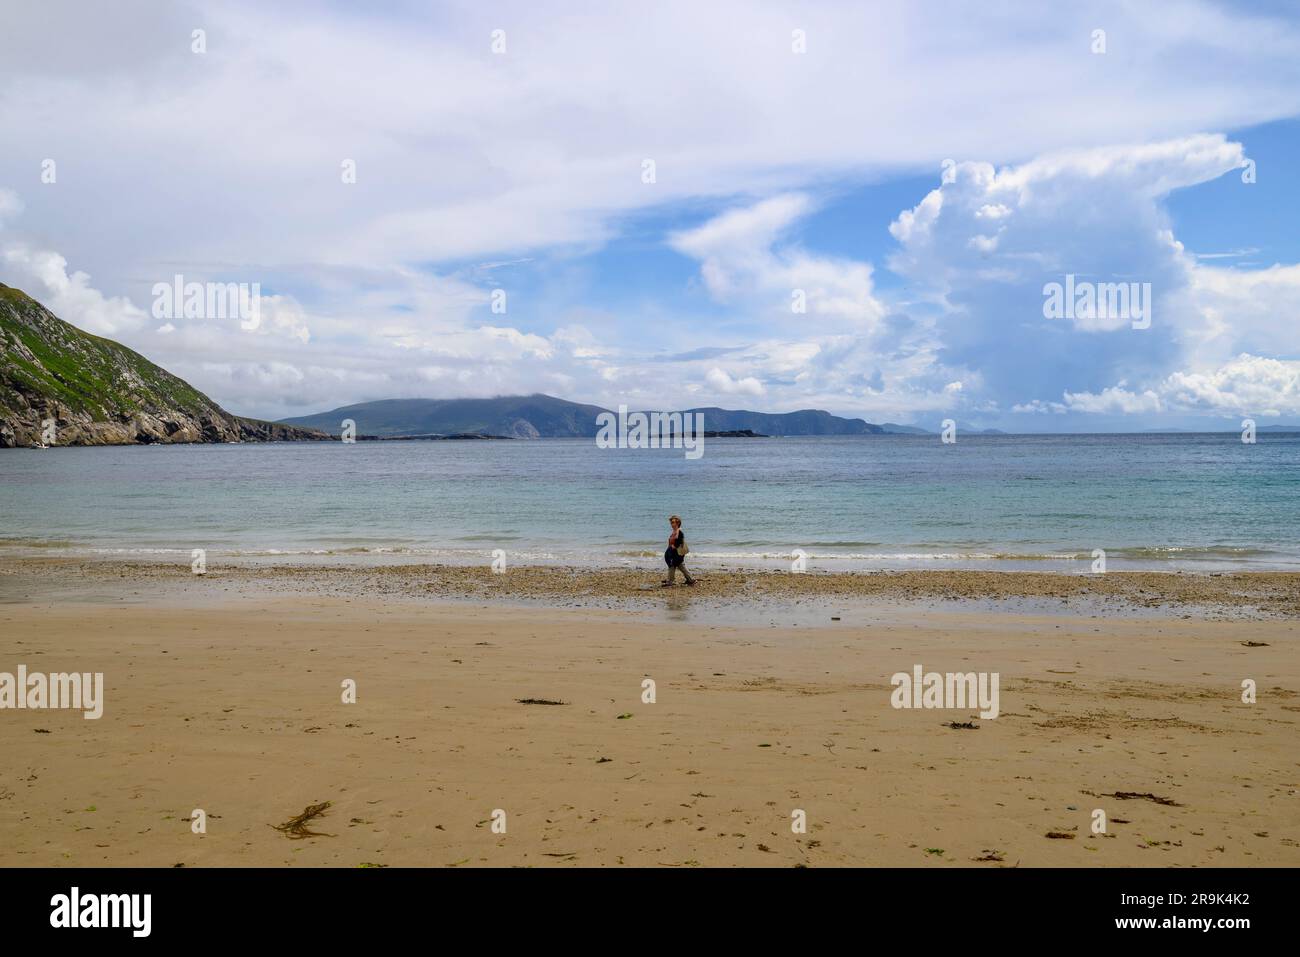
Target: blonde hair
{"points": [[674, 518]]}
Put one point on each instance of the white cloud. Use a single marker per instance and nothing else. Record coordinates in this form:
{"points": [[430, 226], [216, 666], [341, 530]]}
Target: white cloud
{"points": [[1096, 214], [69, 295], [461, 152], [741, 260], [1115, 399], [721, 381], [463, 155], [1054, 212], [1038, 405], [284, 315], [1246, 385], [1244, 310]]}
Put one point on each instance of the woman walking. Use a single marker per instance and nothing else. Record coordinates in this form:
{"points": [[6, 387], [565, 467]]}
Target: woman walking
{"points": [[675, 554]]}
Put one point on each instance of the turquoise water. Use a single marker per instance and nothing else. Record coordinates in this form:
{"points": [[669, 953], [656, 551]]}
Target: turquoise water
{"points": [[1158, 501]]}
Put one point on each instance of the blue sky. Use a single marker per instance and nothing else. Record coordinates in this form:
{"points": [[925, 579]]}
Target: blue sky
{"points": [[1218, 217], [779, 173]]}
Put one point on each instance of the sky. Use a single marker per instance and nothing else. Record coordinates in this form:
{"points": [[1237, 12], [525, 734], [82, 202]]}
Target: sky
{"points": [[862, 208]]}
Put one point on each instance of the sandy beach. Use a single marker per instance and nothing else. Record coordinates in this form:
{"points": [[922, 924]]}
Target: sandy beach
{"points": [[224, 693]]}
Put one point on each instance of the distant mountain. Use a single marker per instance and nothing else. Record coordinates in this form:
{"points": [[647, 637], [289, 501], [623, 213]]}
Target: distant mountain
{"points": [[99, 392], [544, 416], [1262, 428], [893, 428], [803, 422], [517, 416]]}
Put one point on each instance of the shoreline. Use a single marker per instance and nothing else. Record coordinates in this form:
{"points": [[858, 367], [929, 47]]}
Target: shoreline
{"points": [[749, 594], [627, 560]]}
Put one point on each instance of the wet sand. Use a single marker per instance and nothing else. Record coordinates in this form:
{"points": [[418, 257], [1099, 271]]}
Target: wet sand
{"points": [[744, 595], [224, 693]]}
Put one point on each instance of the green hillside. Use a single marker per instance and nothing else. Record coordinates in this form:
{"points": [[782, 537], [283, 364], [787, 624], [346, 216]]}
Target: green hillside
{"points": [[99, 392]]}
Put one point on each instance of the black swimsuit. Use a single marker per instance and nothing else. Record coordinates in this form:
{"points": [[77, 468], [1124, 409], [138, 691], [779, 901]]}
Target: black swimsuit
{"points": [[671, 558]]}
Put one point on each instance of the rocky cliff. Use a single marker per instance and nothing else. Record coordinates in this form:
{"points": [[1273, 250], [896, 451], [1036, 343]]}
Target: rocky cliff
{"points": [[99, 392]]}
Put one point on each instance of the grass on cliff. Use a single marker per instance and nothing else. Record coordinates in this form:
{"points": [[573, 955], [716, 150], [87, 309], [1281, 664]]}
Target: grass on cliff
{"points": [[85, 372]]}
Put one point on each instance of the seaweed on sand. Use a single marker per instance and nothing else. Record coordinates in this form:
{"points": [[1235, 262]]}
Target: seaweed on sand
{"points": [[1142, 796], [296, 827]]}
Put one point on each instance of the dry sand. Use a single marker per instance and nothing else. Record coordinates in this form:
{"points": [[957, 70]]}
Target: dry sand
{"points": [[225, 695]]}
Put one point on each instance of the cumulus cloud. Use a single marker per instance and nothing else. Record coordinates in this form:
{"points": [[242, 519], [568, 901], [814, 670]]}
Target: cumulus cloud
{"points": [[848, 351], [69, 295], [537, 154], [1116, 399], [1093, 218], [740, 258], [1244, 310], [284, 315], [984, 345], [1247, 385], [1244, 386], [720, 381]]}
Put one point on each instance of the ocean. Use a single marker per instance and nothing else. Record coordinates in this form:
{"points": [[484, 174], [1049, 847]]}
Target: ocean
{"points": [[1172, 501]]}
